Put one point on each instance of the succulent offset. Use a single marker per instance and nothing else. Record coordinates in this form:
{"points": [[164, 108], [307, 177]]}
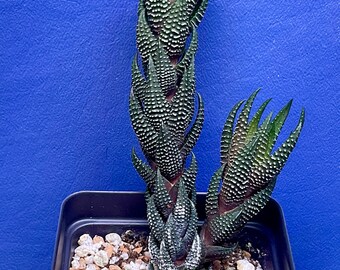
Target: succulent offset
{"points": [[168, 124]]}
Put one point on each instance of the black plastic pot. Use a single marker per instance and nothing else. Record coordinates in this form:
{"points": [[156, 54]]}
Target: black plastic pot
{"points": [[96, 212]]}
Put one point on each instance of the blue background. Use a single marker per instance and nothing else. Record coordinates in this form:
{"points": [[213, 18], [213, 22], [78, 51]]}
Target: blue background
{"points": [[64, 123]]}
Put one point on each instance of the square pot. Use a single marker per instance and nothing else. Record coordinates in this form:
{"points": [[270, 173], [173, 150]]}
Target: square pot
{"points": [[101, 212]]}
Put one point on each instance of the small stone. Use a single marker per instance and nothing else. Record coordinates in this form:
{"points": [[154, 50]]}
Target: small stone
{"points": [[246, 254], [83, 250], [114, 239], [85, 239], [101, 259], [143, 266], [98, 240], [131, 266], [109, 250], [114, 267], [89, 259], [244, 265], [138, 250], [124, 256], [82, 263], [75, 264], [96, 247], [217, 265], [123, 249], [92, 267], [147, 254], [114, 259]]}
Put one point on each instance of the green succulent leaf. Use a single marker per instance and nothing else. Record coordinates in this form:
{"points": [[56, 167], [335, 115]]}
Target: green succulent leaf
{"points": [[154, 249], [235, 177], [166, 73], [191, 231], [254, 123], [276, 127], [183, 104], [147, 43], [252, 206], [156, 223], [198, 13], [192, 136], [227, 133], [211, 202], [145, 132], [157, 11], [168, 157], [182, 209], [156, 107], [138, 81], [164, 260], [189, 54], [144, 170], [224, 226], [175, 28], [189, 175], [191, 6], [241, 129], [162, 199], [195, 254], [272, 166], [259, 156], [213, 253], [170, 238]]}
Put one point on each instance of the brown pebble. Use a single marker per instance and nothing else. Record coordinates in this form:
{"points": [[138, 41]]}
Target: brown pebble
{"points": [[123, 249], [138, 250], [114, 267], [109, 250], [98, 240], [246, 254], [82, 263], [217, 265]]}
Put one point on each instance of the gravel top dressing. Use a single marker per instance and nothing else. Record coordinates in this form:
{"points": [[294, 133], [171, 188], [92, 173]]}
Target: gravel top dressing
{"points": [[129, 251]]}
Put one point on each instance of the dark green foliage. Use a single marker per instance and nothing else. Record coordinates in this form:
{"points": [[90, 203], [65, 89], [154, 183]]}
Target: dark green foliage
{"points": [[162, 108], [163, 116], [249, 169]]}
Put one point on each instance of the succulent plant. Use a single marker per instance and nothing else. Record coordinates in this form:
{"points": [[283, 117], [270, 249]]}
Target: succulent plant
{"points": [[163, 116], [248, 171], [162, 111]]}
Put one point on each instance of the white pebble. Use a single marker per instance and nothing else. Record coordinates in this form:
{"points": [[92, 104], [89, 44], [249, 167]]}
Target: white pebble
{"points": [[91, 267], [84, 250], [89, 259], [143, 266], [131, 266], [76, 257], [114, 259], [85, 239], [113, 238], [96, 247], [124, 256], [244, 265], [101, 259], [75, 264]]}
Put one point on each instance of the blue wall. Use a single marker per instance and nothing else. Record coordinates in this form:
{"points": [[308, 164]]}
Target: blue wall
{"points": [[64, 124]]}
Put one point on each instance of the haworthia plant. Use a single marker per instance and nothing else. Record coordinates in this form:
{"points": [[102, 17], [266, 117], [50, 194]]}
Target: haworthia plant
{"points": [[249, 169], [163, 116]]}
